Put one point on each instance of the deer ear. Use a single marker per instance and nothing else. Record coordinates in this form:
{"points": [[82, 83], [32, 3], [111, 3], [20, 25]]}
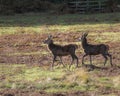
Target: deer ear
{"points": [[85, 34]]}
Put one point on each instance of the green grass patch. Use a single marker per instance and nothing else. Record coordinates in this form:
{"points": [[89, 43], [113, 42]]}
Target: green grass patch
{"points": [[60, 80], [46, 23]]}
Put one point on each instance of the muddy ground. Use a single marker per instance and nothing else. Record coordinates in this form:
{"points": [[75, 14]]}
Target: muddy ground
{"points": [[29, 49]]}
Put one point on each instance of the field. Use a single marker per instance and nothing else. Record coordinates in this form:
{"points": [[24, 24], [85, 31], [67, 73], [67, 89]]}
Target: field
{"points": [[25, 61]]}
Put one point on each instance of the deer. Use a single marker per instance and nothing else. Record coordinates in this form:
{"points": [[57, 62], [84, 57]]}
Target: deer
{"points": [[60, 51], [90, 49]]}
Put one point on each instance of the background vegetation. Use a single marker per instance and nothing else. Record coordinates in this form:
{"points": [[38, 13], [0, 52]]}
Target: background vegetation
{"points": [[9, 7]]}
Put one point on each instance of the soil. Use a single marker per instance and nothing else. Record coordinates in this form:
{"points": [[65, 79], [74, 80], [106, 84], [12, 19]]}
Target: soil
{"points": [[102, 91], [14, 47]]}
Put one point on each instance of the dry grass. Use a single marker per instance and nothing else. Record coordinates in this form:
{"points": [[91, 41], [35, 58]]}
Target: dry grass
{"points": [[21, 38]]}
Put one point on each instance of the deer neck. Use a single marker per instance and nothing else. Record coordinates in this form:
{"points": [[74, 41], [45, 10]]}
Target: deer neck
{"points": [[51, 45], [84, 43]]}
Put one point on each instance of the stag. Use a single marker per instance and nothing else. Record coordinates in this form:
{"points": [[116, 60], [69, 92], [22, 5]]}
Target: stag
{"points": [[90, 50], [58, 50]]}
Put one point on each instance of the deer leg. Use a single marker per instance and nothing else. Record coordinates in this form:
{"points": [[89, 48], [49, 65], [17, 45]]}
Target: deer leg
{"points": [[54, 58], [90, 59], [58, 60], [61, 61], [71, 61], [76, 61], [83, 59], [105, 59], [110, 59]]}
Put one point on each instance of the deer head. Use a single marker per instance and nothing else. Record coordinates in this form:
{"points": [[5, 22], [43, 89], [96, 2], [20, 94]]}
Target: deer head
{"points": [[48, 40], [84, 35]]}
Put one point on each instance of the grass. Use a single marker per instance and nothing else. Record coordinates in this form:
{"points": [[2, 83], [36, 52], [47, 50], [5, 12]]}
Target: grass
{"points": [[23, 71], [103, 27], [27, 53], [39, 23], [42, 23], [59, 80], [116, 82]]}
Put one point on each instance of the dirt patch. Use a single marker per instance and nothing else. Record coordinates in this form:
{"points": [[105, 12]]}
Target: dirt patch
{"points": [[12, 92], [29, 49], [102, 91]]}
